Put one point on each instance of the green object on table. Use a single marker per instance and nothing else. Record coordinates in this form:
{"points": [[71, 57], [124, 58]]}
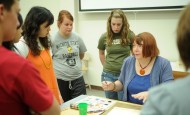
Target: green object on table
{"points": [[83, 108]]}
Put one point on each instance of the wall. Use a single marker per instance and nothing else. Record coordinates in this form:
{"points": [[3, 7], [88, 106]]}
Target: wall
{"points": [[53, 6], [162, 24]]}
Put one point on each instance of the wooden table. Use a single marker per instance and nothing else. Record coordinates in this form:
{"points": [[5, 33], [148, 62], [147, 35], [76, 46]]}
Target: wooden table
{"points": [[67, 111]]}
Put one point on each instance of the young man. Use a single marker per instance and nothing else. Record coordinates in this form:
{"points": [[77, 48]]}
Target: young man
{"points": [[22, 92]]}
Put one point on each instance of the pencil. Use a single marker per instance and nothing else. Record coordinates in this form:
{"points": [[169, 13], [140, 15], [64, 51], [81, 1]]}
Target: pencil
{"points": [[105, 80]]}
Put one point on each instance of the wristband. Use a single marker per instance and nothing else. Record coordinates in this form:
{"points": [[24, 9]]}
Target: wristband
{"points": [[114, 86]]}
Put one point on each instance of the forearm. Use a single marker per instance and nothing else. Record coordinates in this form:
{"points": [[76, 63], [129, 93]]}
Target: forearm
{"points": [[53, 110], [102, 56], [81, 55], [102, 59]]}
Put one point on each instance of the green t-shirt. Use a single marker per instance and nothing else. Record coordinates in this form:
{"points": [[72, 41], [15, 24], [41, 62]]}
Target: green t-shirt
{"points": [[116, 53]]}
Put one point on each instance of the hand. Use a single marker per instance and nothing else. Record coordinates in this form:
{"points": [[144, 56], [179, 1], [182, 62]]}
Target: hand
{"points": [[107, 85], [61, 99], [34, 113], [141, 96]]}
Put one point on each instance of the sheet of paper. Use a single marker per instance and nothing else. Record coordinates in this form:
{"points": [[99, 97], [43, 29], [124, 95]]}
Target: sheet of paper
{"points": [[123, 111]]}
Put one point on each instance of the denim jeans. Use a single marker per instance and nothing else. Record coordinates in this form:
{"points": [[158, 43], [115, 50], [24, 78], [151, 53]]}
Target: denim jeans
{"points": [[107, 76]]}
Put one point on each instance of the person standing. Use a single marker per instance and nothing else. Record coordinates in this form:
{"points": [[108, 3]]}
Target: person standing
{"points": [[22, 91], [68, 50], [117, 43], [35, 45]]}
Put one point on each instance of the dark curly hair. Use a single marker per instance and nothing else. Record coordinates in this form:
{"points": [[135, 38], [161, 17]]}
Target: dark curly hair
{"points": [[31, 27]]}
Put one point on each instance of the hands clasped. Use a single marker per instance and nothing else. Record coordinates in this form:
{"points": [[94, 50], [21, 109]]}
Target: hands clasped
{"points": [[107, 85]]}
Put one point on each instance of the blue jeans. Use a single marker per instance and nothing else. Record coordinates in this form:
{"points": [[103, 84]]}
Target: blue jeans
{"points": [[107, 76]]}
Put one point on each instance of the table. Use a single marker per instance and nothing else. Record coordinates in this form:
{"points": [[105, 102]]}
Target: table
{"points": [[67, 111]]}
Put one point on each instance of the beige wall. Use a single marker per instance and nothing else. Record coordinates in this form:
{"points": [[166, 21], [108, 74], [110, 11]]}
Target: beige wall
{"points": [[162, 24]]}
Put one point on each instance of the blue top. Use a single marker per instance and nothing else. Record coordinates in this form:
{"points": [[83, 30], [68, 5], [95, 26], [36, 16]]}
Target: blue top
{"points": [[138, 84], [161, 72]]}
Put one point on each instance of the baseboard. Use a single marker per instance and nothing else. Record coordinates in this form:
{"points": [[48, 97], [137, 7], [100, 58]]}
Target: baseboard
{"points": [[96, 87]]}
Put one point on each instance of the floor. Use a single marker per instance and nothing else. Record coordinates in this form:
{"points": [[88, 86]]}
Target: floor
{"points": [[95, 92]]}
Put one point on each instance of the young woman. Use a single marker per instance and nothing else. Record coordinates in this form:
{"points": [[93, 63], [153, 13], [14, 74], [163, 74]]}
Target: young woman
{"points": [[35, 45], [116, 41], [141, 71], [68, 49]]}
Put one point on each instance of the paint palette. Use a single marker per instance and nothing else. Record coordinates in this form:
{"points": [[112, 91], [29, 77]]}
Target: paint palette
{"points": [[96, 104]]}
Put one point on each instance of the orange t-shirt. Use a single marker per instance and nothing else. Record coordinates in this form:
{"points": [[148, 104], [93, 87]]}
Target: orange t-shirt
{"points": [[44, 65]]}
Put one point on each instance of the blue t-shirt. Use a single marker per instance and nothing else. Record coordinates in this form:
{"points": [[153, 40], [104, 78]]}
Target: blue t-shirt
{"points": [[138, 84]]}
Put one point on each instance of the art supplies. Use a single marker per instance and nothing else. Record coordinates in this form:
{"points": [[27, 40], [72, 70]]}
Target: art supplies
{"points": [[95, 104]]}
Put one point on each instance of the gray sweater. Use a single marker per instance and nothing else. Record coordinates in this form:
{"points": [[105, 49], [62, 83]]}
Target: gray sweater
{"points": [[161, 72], [169, 99]]}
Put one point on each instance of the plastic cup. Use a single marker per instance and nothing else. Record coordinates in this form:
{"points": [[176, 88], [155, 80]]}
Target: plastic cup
{"points": [[82, 108]]}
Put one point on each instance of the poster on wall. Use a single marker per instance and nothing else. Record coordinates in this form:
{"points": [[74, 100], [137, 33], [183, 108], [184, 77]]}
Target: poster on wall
{"points": [[131, 5]]}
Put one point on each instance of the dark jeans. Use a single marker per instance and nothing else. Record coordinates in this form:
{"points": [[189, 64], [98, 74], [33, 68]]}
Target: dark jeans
{"points": [[107, 76], [71, 89]]}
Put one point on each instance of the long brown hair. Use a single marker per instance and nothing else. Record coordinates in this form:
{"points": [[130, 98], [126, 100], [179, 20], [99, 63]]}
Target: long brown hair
{"points": [[124, 30]]}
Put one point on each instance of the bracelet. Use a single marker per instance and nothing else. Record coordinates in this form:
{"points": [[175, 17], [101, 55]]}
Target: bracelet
{"points": [[114, 86]]}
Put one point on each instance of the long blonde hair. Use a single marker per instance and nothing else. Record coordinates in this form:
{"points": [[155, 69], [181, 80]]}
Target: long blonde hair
{"points": [[117, 13]]}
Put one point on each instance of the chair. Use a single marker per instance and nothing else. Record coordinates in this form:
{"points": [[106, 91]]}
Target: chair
{"points": [[85, 69], [178, 74]]}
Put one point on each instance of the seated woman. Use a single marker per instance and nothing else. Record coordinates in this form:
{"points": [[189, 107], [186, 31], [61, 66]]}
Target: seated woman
{"points": [[141, 71]]}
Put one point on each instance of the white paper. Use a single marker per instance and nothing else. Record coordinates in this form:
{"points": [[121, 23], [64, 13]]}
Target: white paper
{"points": [[123, 111]]}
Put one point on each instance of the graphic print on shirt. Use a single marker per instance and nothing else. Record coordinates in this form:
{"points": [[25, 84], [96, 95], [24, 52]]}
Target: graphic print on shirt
{"points": [[69, 50], [70, 61], [116, 41]]}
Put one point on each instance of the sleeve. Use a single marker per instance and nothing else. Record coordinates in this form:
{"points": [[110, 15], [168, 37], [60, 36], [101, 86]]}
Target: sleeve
{"points": [[167, 74], [52, 41], [159, 102], [122, 73], [50, 51], [124, 68], [131, 36], [32, 90], [102, 42], [22, 47], [82, 46]]}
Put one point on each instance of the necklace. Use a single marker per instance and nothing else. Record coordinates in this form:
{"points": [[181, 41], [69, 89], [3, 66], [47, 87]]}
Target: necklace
{"points": [[49, 65], [142, 71]]}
